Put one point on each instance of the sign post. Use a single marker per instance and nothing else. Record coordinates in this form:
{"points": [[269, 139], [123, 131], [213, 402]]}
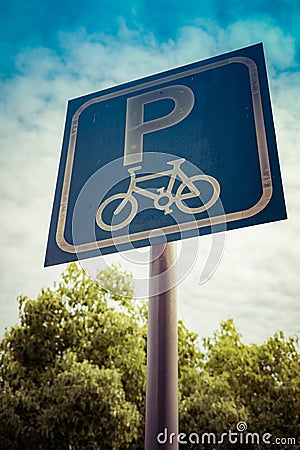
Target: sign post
{"points": [[188, 152], [162, 351]]}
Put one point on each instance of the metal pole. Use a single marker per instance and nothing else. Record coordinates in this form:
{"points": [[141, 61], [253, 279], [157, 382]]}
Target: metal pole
{"points": [[161, 429]]}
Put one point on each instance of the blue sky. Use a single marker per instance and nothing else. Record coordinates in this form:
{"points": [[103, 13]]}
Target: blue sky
{"points": [[54, 51], [35, 24]]}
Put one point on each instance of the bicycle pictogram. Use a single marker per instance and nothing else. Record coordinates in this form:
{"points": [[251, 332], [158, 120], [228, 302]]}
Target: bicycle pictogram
{"points": [[163, 197]]}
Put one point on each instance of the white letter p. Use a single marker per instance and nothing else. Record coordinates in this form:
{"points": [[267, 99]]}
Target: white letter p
{"points": [[135, 129]]}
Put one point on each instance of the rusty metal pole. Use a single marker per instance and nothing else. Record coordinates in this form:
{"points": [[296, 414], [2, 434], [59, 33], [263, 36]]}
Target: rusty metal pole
{"points": [[161, 429]]}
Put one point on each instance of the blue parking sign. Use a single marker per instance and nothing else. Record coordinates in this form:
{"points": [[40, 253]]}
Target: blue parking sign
{"points": [[182, 153]]}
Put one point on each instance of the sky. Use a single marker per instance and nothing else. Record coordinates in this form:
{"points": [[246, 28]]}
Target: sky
{"points": [[54, 51]]}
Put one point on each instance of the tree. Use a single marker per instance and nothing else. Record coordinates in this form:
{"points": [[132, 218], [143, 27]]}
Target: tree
{"points": [[72, 373], [258, 385]]}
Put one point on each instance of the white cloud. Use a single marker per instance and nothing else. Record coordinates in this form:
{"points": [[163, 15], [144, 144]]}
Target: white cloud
{"points": [[257, 278], [280, 48]]}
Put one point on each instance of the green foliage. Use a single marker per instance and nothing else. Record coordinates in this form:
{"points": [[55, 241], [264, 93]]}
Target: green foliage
{"points": [[72, 373], [256, 384]]}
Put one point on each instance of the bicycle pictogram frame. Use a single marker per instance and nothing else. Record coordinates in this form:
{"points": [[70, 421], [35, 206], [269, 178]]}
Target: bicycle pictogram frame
{"points": [[163, 198]]}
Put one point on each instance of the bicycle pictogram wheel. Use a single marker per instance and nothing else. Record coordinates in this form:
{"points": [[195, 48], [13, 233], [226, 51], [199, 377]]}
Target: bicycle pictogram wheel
{"points": [[125, 201], [207, 203]]}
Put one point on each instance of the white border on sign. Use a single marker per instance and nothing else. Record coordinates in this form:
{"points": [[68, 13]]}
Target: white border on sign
{"points": [[265, 171]]}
